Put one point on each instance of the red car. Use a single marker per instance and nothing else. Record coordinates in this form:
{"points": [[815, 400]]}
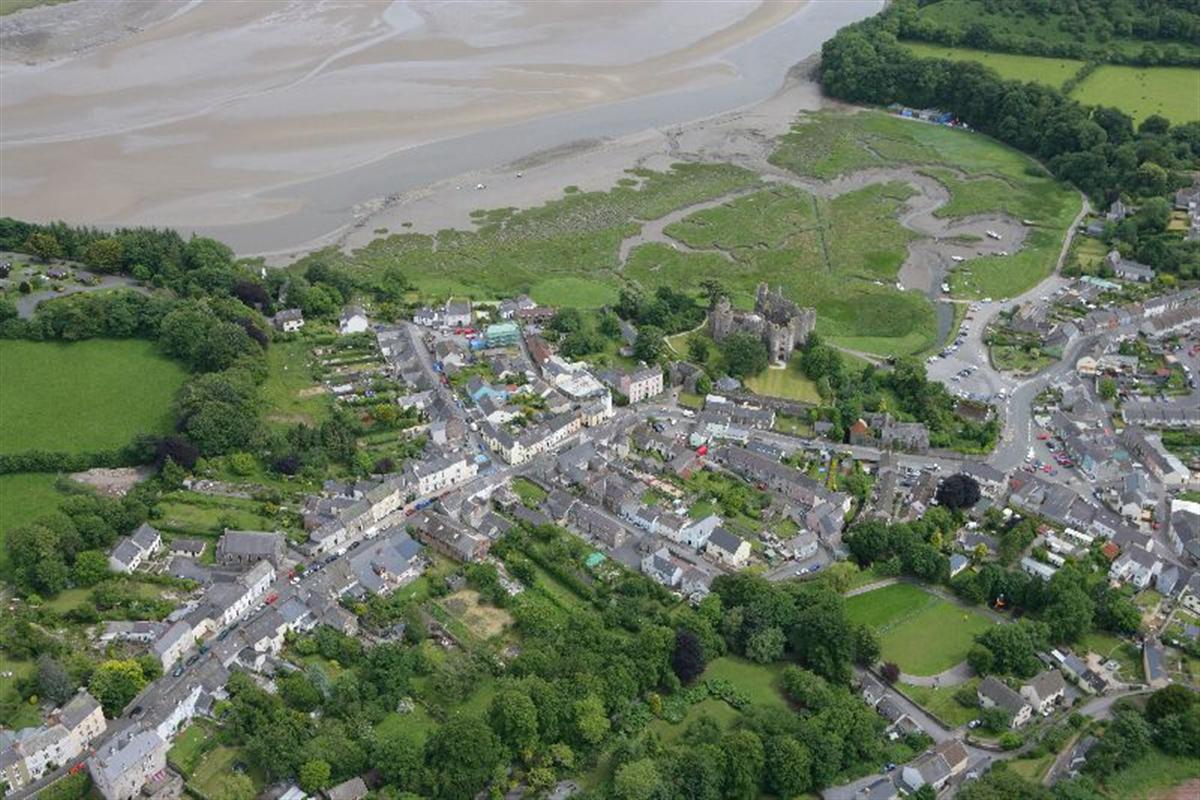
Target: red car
{"points": [[271, 598], [1043, 436], [1046, 468]]}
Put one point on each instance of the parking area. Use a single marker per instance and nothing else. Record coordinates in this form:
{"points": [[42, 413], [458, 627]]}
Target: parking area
{"points": [[963, 365]]}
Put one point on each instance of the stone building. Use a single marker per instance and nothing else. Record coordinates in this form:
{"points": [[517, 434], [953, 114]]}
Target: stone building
{"points": [[781, 324]]}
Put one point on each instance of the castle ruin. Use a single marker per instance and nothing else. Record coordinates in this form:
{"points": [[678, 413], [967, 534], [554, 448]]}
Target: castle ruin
{"points": [[778, 322]]}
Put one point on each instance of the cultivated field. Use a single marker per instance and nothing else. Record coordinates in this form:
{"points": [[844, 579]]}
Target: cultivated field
{"points": [[1171, 92], [1046, 71], [917, 630], [83, 396]]}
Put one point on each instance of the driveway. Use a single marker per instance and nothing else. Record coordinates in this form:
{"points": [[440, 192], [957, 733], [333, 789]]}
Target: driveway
{"points": [[27, 304]]}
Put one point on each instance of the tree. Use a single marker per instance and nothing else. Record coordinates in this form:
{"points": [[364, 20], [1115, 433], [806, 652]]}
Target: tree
{"points": [[591, 720], [461, 756], [744, 354], [981, 659], [890, 671], [1173, 699], [744, 762], [513, 717], [765, 645], [234, 786], [866, 646], [104, 255], [637, 780], [649, 344], [788, 767], [1069, 613], [698, 349], [995, 719], [399, 758], [90, 567], [114, 683], [958, 491], [315, 775], [688, 658], [1108, 388], [53, 682], [43, 247]]}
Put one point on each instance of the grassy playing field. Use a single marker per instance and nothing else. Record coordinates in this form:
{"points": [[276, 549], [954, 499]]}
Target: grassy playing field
{"points": [[1046, 71], [786, 382], [939, 701], [83, 396], [917, 630], [1172, 92]]}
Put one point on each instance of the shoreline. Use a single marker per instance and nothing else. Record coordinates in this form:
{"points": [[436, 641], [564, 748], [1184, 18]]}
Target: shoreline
{"points": [[282, 178]]}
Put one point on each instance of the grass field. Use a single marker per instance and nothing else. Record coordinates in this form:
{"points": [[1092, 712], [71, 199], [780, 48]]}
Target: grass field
{"points": [[220, 762], [939, 701], [1108, 647], [981, 175], [14, 713], [786, 382], [1171, 92], [1046, 71], [917, 630], [83, 396], [23, 498], [289, 390], [1148, 777]]}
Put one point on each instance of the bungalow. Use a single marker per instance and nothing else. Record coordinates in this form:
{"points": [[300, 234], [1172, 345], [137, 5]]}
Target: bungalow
{"points": [[958, 562], [1037, 569], [186, 547], [728, 548], [427, 317], [929, 769], [1044, 691], [803, 545], [993, 693], [289, 320], [353, 320], [353, 789]]}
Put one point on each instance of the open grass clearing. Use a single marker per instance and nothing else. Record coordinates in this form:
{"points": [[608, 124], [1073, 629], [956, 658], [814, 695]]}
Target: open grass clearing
{"points": [[939, 701], [760, 683], [1171, 92], [1032, 769], [290, 392], [1046, 71], [23, 498], [530, 493], [919, 631], [416, 723], [220, 762], [483, 621], [1149, 777], [190, 746], [787, 382], [83, 396]]}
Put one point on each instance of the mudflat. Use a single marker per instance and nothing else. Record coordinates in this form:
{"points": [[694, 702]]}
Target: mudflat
{"points": [[206, 115]]}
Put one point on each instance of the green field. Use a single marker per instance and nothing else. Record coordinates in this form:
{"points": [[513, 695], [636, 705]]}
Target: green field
{"points": [[939, 701], [290, 390], [1046, 71], [13, 712], [83, 396], [787, 382], [1150, 775], [23, 498], [1171, 92], [980, 174], [917, 630]]}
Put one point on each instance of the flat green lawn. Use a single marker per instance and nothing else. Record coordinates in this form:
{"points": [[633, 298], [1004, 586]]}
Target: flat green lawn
{"points": [[759, 682], [786, 382], [1032, 769], [185, 513], [23, 498], [1046, 71], [920, 632], [189, 746], [1148, 777], [289, 388], [1171, 92], [84, 395], [1108, 647], [939, 701], [417, 722], [221, 761], [530, 493], [571, 291]]}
